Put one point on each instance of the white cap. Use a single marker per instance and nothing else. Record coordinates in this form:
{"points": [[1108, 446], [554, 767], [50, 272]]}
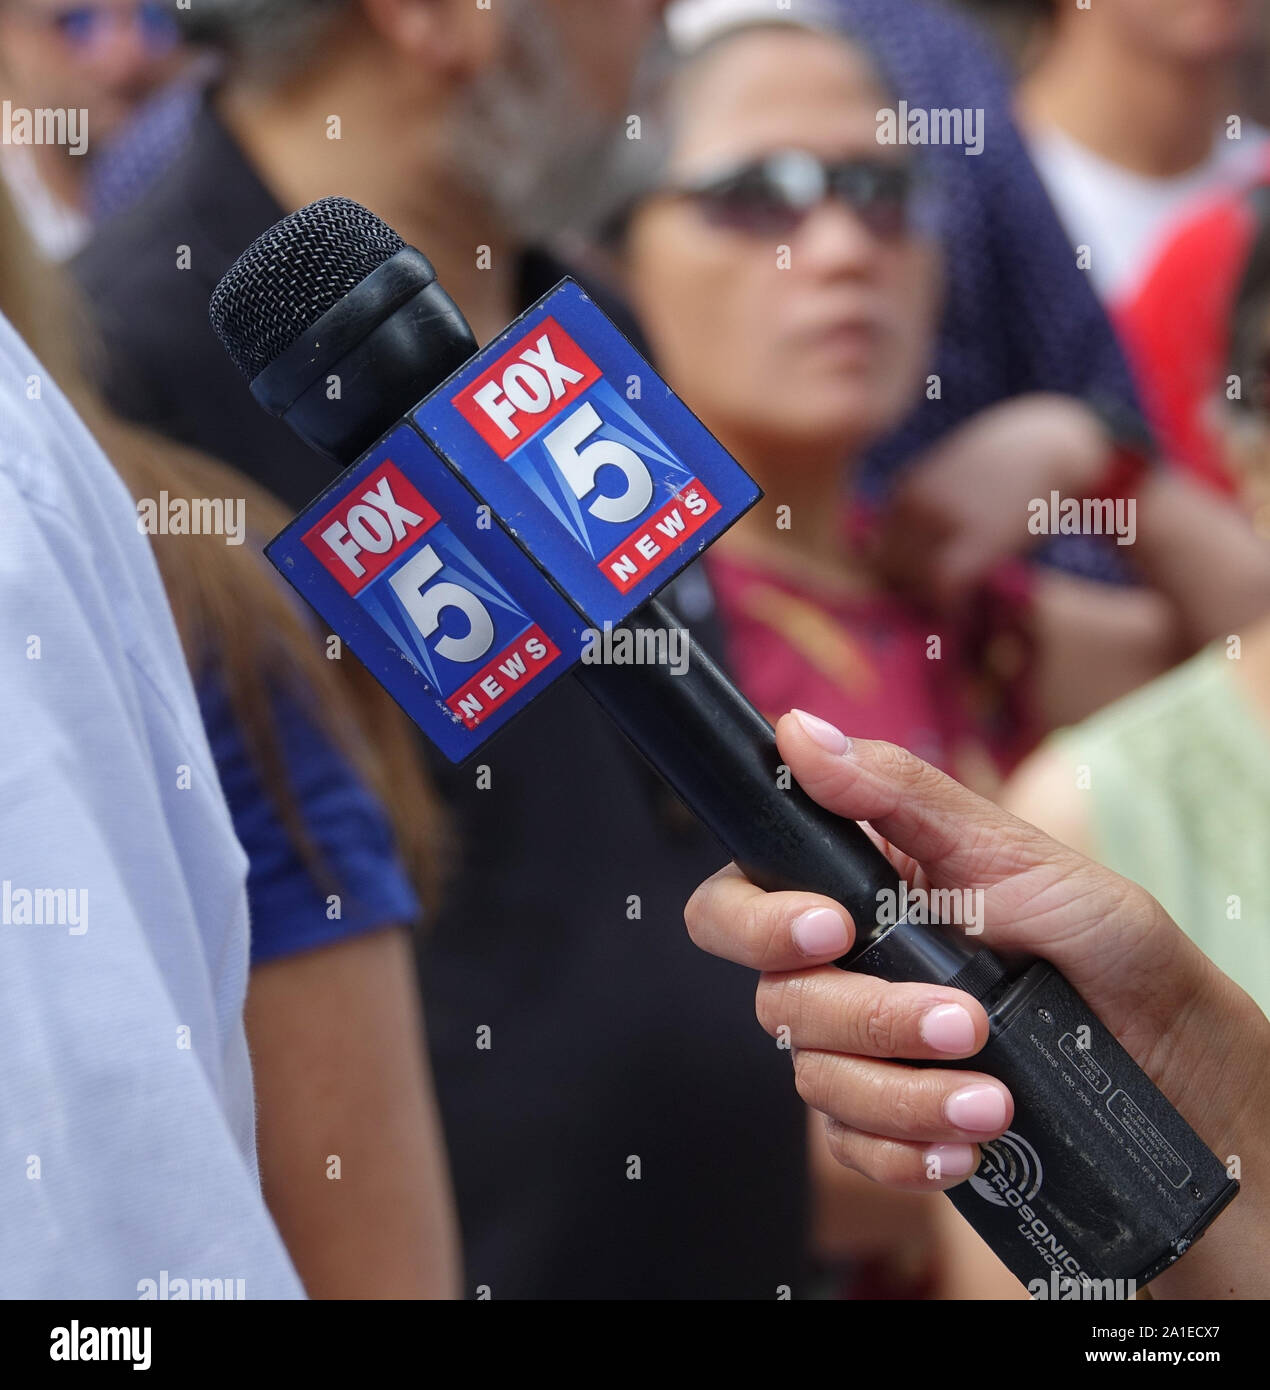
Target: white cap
{"points": [[691, 23]]}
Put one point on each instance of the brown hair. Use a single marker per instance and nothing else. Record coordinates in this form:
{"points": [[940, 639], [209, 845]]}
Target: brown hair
{"points": [[232, 612]]}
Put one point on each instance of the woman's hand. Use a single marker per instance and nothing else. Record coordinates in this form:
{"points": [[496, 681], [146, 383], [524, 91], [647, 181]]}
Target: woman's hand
{"points": [[963, 507], [1199, 1037]]}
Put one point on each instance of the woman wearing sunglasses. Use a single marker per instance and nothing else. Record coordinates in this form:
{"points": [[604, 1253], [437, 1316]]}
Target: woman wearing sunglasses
{"points": [[787, 274], [786, 270], [99, 57]]}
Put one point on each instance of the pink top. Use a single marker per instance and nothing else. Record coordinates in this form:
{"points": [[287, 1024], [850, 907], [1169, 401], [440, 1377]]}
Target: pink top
{"points": [[878, 666]]}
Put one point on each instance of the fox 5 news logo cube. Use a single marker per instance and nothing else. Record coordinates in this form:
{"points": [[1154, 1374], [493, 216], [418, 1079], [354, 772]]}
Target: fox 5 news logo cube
{"points": [[589, 459], [442, 608]]}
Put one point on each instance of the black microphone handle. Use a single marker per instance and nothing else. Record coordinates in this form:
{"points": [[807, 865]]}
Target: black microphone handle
{"points": [[1098, 1176], [719, 755]]}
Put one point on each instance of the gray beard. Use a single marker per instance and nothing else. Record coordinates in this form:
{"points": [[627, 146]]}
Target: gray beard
{"points": [[528, 141]]}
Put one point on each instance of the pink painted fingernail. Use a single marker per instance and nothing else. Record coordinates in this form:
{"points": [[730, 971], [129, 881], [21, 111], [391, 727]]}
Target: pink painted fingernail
{"points": [[980, 1108], [949, 1161], [949, 1028], [820, 932], [820, 731]]}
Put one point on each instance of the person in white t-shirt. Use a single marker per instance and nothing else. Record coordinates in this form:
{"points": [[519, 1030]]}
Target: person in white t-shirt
{"points": [[127, 1123], [1131, 112]]}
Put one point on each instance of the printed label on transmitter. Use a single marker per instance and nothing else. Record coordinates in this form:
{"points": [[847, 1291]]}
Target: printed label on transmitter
{"points": [[1084, 1063], [1149, 1139]]}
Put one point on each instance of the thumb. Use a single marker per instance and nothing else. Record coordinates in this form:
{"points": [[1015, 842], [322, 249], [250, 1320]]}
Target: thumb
{"points": [[960, 839]]}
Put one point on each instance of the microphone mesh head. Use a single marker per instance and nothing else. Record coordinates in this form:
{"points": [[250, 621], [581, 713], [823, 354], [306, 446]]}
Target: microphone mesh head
{"points": [[292, 274]]}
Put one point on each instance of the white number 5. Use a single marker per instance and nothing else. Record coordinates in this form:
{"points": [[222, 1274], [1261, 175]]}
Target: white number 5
{"points": [[579, 469], [425, 603]]}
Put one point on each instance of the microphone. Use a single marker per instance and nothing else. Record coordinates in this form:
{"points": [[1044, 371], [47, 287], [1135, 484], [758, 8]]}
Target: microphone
{"points": [[497, 509]]}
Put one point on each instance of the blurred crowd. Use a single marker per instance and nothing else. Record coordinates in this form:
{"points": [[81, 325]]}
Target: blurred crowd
{"points": [[978, 293]]}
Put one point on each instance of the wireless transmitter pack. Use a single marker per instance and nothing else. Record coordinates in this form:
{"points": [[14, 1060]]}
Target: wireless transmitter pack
{"points": [[499, 506]]}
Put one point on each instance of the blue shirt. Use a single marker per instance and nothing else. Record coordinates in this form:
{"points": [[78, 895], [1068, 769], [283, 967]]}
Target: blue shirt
{"points": [[290, 909], [127, 1134]]}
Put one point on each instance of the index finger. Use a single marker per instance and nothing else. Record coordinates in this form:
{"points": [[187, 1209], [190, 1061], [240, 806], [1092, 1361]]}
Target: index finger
{"points": [[731, 917], [959, 838]]}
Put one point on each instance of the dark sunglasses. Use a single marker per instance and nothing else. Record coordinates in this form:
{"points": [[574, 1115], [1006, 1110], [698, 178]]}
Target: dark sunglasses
{"points": [[85, 27], [772, 195]]}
